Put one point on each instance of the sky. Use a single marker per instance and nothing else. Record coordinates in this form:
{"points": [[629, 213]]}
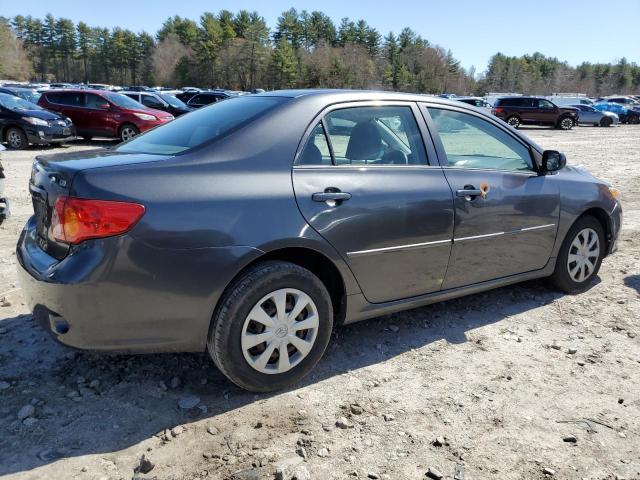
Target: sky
{"points": [[571, 30]]}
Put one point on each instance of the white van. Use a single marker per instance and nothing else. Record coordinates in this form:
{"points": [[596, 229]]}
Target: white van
{"points": [[566, 99]]}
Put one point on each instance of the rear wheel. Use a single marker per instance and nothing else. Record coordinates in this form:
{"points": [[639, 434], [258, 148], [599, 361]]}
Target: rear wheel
{"points": [[606, 122], [128, 131], [580, 256], [566, 123], [514, 121], [271, 327], [16, 139]]}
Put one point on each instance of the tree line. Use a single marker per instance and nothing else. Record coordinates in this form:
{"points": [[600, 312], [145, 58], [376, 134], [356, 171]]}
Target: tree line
{"points": [[304, 50]]}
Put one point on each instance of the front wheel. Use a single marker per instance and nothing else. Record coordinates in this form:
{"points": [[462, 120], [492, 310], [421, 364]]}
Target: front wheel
{"points": [[16, 139], [606, 122], [566, 123], [580, 256], [633, 119], [271, 327], [128, 131]]}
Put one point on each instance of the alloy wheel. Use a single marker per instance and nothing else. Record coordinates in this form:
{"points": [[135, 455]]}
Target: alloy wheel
{"points": [[14, 139], [127, 133], [279, 331], [514, 122], [583, 255], [566, 124]]}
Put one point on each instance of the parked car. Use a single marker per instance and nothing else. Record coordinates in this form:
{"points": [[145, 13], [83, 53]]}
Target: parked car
{"points": [[28, 94], [100, 113], [4, 202], [195, 237], [518, 111], [626, 100], [203, 99], [23, 122], [477, 102], [590, 116], [626, 115], [569, 99], [160, 101]]}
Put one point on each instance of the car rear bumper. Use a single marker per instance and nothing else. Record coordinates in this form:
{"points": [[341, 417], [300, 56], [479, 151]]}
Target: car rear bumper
{"points": [[120, 294]]}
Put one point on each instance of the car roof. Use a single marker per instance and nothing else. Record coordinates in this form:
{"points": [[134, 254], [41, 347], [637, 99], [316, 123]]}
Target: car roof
{"points": [[339, 95], [79, 90]]}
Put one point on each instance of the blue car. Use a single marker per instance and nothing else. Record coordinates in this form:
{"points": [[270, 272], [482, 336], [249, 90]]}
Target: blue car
{"points": [[627, 115]]}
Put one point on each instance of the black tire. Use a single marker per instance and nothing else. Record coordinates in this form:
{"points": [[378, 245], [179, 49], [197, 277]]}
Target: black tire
{"points": [[633, 119], [565, 123], [224, 341], [606, 122], [561, 277], [127, 132], [514, 121], [16, 139]]}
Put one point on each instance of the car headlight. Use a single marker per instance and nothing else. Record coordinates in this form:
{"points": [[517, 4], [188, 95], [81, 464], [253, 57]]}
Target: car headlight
{"points": [[616, 193], [144, 116], [36, 121]]}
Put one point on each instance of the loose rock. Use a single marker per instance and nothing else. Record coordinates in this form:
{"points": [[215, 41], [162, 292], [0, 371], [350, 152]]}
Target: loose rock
{"points": [[26, 411], [343, 423], [188, 402], [434, 473], [145, 465], [570, 439], [549, 471]]}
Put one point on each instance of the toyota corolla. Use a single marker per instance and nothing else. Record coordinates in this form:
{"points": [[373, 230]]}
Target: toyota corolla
{"points": [[250, 228]]}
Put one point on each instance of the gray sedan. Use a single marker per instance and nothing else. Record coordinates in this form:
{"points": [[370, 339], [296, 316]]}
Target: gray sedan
{"points": [[252, 227], [590, 116]]}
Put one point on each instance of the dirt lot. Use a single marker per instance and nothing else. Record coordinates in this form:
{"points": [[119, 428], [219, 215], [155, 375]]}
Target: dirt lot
{"points": [[499, 385]]}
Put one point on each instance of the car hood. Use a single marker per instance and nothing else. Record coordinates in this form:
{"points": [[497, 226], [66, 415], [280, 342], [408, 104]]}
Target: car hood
{"points": [[578, 173], [42, 114], [152, 111]]}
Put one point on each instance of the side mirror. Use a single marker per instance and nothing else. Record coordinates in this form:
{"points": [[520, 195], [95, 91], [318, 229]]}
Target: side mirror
{"points": [[552, 161], [104, 106]]}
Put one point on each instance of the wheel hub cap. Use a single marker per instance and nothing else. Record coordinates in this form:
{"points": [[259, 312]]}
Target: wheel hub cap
{"points": [[583, 255], [279, 331]]}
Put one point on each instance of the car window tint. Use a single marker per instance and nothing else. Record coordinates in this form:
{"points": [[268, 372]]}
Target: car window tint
{"points": [[471, 142], [375, 136], [546, 104], [94, 101], [74, 99], [316, 151], [201, 126], [151, 101]]}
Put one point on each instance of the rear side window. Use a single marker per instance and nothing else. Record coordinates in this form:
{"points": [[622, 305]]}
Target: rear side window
{"points": [[316, 151], [201, 126], [73, 99], [369, 136]]}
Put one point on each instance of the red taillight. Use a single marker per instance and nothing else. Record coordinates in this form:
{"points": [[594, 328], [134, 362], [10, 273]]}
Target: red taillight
{"points": [[76, 219], [498, 110]]}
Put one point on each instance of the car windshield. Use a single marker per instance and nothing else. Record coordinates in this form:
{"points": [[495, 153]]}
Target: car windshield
{"points": [[202, 126], [29, 95], [16, 103], [173, 101], [124, 101]]}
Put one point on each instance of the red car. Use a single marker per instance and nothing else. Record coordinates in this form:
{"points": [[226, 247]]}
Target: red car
{"points": [[97, 113]]}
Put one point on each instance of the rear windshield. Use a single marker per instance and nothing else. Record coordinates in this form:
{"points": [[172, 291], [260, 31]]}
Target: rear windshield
{"points": [[202, 126]]}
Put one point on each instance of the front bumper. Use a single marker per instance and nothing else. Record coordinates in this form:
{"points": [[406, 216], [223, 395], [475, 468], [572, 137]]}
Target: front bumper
{"points": [[56, 134], [120, 294]]}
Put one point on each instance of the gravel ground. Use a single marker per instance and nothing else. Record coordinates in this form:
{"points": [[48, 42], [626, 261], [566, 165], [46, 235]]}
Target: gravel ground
{"points": [[517, 383]]}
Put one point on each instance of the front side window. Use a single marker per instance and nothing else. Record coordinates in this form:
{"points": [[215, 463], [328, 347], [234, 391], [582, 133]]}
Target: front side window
{"points": [[151, 102], [123, 101], [545, 104], [471, 142], [201, 126], [377, 135], [95, 102]]}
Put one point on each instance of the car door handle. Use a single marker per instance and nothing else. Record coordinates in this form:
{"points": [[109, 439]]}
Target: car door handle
{"points": [[331, 196], [469, 192]]}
